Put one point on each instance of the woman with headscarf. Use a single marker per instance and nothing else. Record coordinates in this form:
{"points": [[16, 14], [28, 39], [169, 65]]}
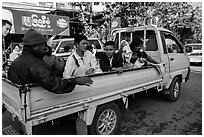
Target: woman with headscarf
{"points": [[126, 51]]}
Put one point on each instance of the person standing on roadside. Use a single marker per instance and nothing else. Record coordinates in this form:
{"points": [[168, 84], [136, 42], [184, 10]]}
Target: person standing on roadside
{"points": [[31, 68], [6, 28]]}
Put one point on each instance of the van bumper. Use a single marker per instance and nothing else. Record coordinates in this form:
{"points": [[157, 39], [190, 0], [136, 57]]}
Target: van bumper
{"points": [[188, 74]]}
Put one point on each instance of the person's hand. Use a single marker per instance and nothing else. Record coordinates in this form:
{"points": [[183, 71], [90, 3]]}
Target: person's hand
{"points": [[127, 65], [142, 60], [119, 70], [90, 71], [84, 81], [4, 74]]}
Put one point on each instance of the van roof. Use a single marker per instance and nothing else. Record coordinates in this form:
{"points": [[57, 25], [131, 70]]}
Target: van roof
{"points": [[65, 39], [191, 44], [141, 28]]}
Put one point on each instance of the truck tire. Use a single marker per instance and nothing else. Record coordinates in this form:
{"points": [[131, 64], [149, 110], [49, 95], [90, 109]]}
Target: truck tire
{"points": [[175, 90], [106, 120]]}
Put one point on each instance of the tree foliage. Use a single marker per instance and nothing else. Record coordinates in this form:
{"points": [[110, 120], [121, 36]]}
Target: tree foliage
{"points": [[179, 17]]}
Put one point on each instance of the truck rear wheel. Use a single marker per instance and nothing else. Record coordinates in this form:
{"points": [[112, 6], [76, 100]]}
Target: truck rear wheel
{"points": [[175, 90], [106, 120]]}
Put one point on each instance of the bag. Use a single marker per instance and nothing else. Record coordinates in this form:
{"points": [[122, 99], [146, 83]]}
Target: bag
{"points": [[59, 64], [56, 63]]}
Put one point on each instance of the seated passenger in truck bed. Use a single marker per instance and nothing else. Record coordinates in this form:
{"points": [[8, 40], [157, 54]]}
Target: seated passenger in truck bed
{"points": [[109, 60]]}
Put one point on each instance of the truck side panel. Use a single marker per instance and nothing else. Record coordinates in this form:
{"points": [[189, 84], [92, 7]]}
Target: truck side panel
{"points": [[41, 99]]}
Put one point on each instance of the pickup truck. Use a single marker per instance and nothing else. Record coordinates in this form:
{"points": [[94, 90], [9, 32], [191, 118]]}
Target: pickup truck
{"points": [[99, 105]]}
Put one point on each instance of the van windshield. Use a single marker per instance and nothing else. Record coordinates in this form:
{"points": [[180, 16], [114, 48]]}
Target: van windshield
{"points": [[66, 46], [53, 45], [62, 46]]}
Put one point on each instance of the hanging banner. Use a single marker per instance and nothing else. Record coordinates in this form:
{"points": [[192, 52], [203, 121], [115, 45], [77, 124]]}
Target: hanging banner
{"points": [[44, 23]]}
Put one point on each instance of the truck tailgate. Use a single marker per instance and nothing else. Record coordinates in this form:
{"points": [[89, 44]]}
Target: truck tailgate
{"points": [[11, 98]]}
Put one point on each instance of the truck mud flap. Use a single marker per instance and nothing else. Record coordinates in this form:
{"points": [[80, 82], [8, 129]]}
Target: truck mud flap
{"points": [[188, 74], [9, 131], [81, 127]]}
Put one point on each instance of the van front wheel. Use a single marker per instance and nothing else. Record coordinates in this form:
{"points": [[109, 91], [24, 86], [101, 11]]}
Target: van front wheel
{"points": [[106, 120], [175, 90]]}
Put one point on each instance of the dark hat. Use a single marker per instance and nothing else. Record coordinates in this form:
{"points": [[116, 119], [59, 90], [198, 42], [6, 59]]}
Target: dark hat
{"points": [[33, 37]]}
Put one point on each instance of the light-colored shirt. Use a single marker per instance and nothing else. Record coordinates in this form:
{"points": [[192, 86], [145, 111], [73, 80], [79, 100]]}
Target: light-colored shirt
{"points": [[111, 59], [78, 66]]}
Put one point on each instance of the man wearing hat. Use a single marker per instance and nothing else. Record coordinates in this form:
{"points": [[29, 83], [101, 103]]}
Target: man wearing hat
{"points": [[30, 67]]}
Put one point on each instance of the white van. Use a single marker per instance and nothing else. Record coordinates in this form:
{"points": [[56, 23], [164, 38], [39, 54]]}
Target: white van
{"points": [[63, 47], [194, 51], [193, 47]]}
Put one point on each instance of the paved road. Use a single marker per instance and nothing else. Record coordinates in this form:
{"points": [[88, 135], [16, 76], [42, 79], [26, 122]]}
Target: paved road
{"points": [[149, 114]]}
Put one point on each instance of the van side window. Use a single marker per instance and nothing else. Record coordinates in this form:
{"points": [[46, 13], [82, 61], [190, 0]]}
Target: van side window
{"points": [[163, 43], [138, 34], [151, 43], [173, 46]]}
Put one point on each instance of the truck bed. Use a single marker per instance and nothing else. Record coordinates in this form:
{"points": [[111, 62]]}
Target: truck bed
{"points": [[106, 85]]}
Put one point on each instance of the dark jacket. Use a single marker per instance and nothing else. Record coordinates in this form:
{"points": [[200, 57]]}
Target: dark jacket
{"points": [[105, 62], [29, 68]]}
